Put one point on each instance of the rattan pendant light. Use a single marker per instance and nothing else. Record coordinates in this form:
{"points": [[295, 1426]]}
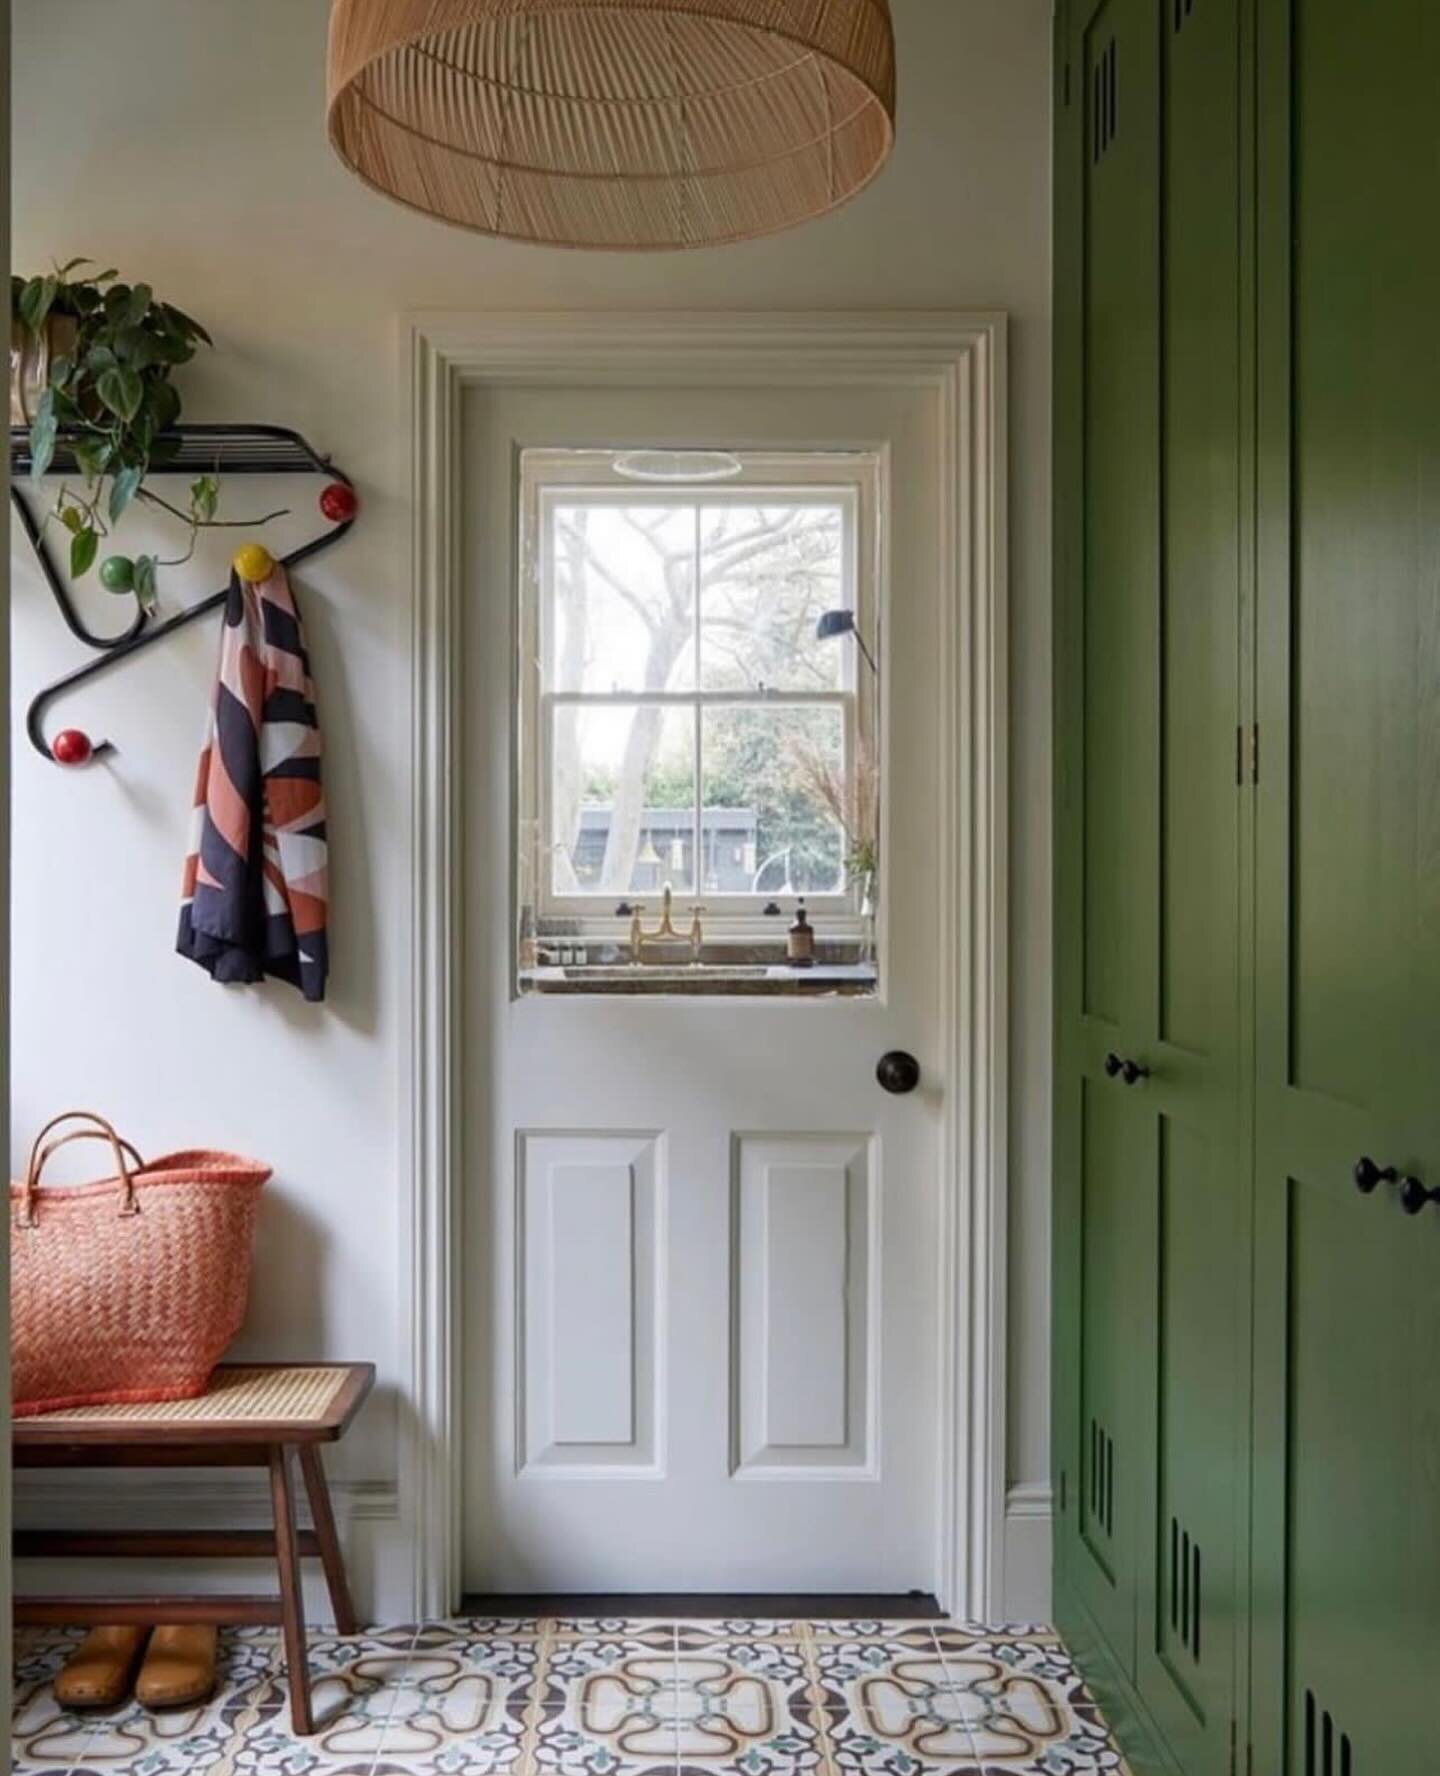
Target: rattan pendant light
{"points": [[614, 123]]}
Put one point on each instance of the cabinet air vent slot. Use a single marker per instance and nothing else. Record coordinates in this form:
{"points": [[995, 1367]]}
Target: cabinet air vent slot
{"points": [[1185, 1608], [1321, 1746], [1104, 102], [1102, 1477]]}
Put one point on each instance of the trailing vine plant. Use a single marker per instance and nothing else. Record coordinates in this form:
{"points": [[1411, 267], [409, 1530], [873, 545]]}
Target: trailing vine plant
{"points": [[108, 393]]}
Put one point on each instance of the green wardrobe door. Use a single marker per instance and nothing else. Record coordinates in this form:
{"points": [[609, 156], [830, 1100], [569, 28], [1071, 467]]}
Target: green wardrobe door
{"points": [[1348, 891], [1196, 1398], [1108, 722]]}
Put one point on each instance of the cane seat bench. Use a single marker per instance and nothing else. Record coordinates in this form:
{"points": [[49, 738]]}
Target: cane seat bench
{"points": [[260, 1415]]}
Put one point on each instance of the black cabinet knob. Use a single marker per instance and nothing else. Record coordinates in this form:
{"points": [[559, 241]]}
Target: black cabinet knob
{"points": [[1414, 1197], [1132, 1072], [1113, 1065], [1369, 1176], [898, 1072]]}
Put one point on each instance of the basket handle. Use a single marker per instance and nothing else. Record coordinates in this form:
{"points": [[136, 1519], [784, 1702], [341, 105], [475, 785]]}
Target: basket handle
{"points": [[129, 1202]]}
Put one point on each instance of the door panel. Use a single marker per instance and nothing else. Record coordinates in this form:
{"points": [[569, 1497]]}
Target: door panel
{"points": [[700, 1290], [1347, 1425]]}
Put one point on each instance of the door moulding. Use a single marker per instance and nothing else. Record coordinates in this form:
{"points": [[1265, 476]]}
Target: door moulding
{"points": [[962, 358]]}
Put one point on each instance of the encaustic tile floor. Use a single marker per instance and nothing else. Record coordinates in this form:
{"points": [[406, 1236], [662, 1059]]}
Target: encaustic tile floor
{"points": [[560, 1697]]}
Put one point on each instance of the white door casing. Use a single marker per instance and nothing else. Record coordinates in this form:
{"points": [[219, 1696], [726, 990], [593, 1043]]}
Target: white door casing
{"points": [[961, 359]]}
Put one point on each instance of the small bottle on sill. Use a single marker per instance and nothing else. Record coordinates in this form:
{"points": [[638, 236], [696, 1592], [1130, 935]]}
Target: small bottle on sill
{"points": [[800, 941]]}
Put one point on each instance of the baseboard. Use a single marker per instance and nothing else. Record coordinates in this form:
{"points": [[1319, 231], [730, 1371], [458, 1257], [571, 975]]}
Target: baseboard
{"points": [[379, 1549], [1028, 1592]]}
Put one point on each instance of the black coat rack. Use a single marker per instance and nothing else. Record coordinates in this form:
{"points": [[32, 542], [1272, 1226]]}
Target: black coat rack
{"points": [[190, 450]]}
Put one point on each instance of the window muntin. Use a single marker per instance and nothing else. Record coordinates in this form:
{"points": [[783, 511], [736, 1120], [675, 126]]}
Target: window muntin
{"points": [[682, 708]]}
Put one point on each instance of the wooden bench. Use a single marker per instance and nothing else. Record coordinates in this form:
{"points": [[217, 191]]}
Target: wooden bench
{"points": [[253, 1415]]}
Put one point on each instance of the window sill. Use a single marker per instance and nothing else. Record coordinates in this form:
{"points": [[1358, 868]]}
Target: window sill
{"points": [[703, 980]]}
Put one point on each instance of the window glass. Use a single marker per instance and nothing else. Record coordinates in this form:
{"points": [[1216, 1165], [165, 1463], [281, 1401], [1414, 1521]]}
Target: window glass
{"points": [[622, 597], [774, 785], [767, 572], [622, 799]]}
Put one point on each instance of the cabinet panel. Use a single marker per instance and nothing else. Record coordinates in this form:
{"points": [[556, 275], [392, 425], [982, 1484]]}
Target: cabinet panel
{"points": [[1200, 552], [1113, 1189], [1186, 1661], [1121, 524], [1347, 1423]]}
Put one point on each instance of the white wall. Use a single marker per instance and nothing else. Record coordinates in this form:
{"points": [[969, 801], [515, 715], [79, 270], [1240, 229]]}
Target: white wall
{"points": [[184, 142]]}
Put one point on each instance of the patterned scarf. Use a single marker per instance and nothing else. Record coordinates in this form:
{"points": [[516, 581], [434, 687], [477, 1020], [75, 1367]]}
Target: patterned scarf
{"points": [[255, 895]]}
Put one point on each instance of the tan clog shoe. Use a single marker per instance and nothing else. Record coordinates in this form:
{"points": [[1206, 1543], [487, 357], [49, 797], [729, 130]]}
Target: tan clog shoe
{"points": [[98, 1673], [179, 1668]]}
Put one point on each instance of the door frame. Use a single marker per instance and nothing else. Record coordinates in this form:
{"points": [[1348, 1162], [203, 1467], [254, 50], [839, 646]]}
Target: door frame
{"points": [[962, 357]]}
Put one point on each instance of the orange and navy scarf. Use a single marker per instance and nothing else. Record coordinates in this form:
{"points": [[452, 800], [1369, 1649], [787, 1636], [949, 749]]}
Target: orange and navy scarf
{"points": [[255, 896]]}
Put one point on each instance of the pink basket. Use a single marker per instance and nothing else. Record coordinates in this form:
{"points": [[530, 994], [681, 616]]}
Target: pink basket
{"points": [[131, 1288]]}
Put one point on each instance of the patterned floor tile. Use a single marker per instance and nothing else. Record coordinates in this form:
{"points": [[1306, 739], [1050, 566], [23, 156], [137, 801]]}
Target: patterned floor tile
{"points": [[600, 1697], [598, 1678], [847, 1667]]}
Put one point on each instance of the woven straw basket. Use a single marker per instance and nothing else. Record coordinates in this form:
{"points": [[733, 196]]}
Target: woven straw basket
{"points": [[128, 1289]]}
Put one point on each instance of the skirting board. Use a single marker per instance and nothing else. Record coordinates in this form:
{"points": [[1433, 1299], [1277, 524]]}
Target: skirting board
{"points": [[379, 1547], [1028, 1523]]}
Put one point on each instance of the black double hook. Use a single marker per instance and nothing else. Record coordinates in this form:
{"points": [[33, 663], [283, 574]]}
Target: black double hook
{"points": [[1414, 1197], [191, 449], [1130, 1071]]}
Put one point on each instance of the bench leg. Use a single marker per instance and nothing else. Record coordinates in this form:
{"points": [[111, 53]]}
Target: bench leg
{"points": [[333, 1561], [292, 1598]]}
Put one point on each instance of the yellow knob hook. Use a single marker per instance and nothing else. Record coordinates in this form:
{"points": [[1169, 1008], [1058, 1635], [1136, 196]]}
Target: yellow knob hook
{"points": [[253, 562]]}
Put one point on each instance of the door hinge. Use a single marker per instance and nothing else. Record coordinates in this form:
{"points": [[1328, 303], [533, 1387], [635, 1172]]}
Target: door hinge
{"points": [[1247, 755]]}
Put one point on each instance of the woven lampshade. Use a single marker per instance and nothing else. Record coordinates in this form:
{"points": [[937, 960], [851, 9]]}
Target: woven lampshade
{"points": [[614, 123]]}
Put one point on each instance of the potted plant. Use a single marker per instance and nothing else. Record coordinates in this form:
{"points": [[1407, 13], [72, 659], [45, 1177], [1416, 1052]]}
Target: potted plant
{"points": [[92, 359]]}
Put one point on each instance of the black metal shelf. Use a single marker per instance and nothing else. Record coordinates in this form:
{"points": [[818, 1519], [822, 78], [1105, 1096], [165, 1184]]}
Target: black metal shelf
{"points": [[216, 449]]}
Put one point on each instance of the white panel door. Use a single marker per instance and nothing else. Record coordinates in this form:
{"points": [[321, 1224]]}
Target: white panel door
{"points": [[700, 1271]]}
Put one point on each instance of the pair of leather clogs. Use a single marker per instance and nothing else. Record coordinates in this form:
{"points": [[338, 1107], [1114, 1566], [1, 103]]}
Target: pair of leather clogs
{"points": [[176, 1667]]}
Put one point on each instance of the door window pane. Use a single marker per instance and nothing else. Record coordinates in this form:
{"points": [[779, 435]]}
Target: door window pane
{"points": [[774, 792], [767, 572], [622, 597], [622, 799]]}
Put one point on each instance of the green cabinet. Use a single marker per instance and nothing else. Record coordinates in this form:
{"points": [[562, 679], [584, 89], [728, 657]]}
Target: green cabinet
{"points": [[1347, 1420], [1246, 1428]]}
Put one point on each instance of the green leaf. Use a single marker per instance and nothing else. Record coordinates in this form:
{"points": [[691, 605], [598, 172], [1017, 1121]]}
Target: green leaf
{"points": [[105, 277], [72, 518], [69, 266], [61, 370], [137, 348], [93, 456], [145, 581], [163, 400], [36, 300], [98, 358], [188, 326], [84, 546], [138, 307], [122, 490], [121, 390], [205, 498], [43, 429]]}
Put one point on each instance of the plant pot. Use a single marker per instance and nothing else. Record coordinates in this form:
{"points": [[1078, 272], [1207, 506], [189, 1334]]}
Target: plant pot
{"points": [[30, 360]]}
